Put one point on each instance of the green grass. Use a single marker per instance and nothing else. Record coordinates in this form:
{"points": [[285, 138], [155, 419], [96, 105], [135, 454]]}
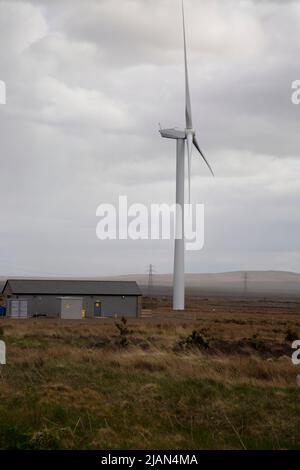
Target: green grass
{"points": [[64, 393], [130, 413]]}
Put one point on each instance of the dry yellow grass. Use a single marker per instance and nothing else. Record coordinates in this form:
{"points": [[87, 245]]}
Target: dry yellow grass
{"points": [[69, 384]]}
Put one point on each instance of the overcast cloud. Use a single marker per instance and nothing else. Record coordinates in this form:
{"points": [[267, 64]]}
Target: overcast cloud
{"points": [[88, 81]]}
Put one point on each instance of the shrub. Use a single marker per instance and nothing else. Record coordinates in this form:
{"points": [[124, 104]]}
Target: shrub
{"points": [[194, 340], [256, 343], [123, 332], [291, 336]]}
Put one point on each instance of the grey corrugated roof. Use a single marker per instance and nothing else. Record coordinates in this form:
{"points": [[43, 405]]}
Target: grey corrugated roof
{"points": [[62, 287]]}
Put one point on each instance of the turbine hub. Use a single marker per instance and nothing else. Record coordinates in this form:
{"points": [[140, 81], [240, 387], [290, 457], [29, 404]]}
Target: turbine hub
{"points": [[190, 132]]}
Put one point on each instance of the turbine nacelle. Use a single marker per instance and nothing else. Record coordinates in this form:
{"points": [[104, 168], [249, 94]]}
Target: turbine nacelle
{"points": [[174, 133]]}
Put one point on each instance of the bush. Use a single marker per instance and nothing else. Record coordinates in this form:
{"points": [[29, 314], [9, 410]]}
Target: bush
{"points": [[195, 340], [257, 344], [291, 336], [123, 332]]}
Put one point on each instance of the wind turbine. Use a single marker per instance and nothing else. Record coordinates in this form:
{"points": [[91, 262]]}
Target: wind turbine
{"points": [[187, 136]]}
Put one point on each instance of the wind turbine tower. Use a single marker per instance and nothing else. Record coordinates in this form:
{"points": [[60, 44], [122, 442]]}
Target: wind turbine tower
{"points": [[185, 138]]}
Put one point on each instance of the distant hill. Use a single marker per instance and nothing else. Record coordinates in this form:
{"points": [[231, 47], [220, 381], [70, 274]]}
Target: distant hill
{"points": [[231, 283], [259, 283]]}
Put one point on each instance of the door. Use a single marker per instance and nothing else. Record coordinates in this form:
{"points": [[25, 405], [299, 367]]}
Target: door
{"points": [[18, 309], [97, 309], [14, 308], [71, 308], [23, 309]]}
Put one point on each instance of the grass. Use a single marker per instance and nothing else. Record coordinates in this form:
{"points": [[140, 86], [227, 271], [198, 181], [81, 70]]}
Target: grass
{"points": [[71, 385]]}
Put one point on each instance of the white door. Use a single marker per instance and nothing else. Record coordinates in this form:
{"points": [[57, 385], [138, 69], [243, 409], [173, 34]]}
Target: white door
{"points": [[23, 309], [71, 308], [18, 309], [14, 308]]}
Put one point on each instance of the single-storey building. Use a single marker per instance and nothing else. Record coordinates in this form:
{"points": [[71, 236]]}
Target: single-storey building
{"points": [[71, 299]]}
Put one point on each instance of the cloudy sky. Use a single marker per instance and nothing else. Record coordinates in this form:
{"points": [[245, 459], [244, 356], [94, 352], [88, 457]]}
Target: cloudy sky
{"points": [[88, 81]]}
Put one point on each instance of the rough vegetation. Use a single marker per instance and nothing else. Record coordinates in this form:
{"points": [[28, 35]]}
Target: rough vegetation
{"points": [[195, 340], [230, 385], [123, 332]]}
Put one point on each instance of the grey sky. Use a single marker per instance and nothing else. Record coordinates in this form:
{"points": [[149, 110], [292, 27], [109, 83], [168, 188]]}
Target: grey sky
{"points": [[87, 83]]}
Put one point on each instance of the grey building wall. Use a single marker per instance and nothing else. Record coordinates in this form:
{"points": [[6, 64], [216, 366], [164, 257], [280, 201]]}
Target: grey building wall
{"points": [[50, 305], [112, 305], [45, 305]]}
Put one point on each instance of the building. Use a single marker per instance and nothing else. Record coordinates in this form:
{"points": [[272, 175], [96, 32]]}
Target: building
{"points": [[25, 298]]}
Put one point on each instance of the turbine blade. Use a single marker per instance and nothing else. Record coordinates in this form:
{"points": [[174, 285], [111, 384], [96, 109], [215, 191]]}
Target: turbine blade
{"points": [[202, 155], [189, 142], [188, 107]]}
